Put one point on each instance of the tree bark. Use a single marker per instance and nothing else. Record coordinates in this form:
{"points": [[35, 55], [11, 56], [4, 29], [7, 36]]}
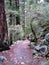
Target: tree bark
{"points": [[10, 19], [10, 2], [17, 4], [17, 17], [3, 27], [35, 37]]}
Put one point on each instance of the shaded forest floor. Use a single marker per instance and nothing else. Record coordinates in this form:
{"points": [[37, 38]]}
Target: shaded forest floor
{"points": [[21, 54]]}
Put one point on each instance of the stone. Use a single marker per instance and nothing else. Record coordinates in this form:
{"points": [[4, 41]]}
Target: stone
{"points": [[43, 50], [37, 47], [34, 52], [47, 37], [47, 56], [2, 58], [43, 42], [0, 64], [46, 63], [32, 45]]}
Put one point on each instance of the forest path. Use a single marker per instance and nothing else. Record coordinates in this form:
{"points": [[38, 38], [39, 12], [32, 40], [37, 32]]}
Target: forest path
{"points": [[20, 54]]}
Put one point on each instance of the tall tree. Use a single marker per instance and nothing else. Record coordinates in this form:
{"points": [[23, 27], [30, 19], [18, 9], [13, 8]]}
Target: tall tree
{"points": [[22, 13], [10, 16], [3, 28], [17, 4], [17, 7], [10, 2]]}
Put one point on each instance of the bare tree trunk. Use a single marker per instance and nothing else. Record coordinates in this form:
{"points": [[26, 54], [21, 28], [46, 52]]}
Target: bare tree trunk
{"points": [[17, 4], [35, 37], [10, 19], [3, 28], [17, 20], [17, 7], [10, 2], [10, 13]]}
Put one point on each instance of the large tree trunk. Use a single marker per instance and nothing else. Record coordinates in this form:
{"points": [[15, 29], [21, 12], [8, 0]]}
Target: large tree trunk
{"points": [[17, 17], [3, 28]]}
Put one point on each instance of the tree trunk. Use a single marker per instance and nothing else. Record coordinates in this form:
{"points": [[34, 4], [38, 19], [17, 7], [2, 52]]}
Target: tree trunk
{"points": [[17, 4], [22, 13], [10, 19], [10, 2], [17, 17], [17, 20], [3, 28], [35, 37], [10, 13]]}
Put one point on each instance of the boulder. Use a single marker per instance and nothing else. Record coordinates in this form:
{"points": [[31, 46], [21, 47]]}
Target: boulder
{"points": [[43, 50], [37, 47], [47, 37], [32, 46]]}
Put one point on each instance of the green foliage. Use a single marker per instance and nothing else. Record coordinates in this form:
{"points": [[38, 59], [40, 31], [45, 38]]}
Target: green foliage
{"points": [[14, 12], [47, 0], [30, 2], [48, 60], [27, 30], [31, 10]]}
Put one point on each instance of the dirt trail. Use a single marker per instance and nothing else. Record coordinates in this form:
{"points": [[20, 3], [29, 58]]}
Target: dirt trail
{"points": [[20, 54]]}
